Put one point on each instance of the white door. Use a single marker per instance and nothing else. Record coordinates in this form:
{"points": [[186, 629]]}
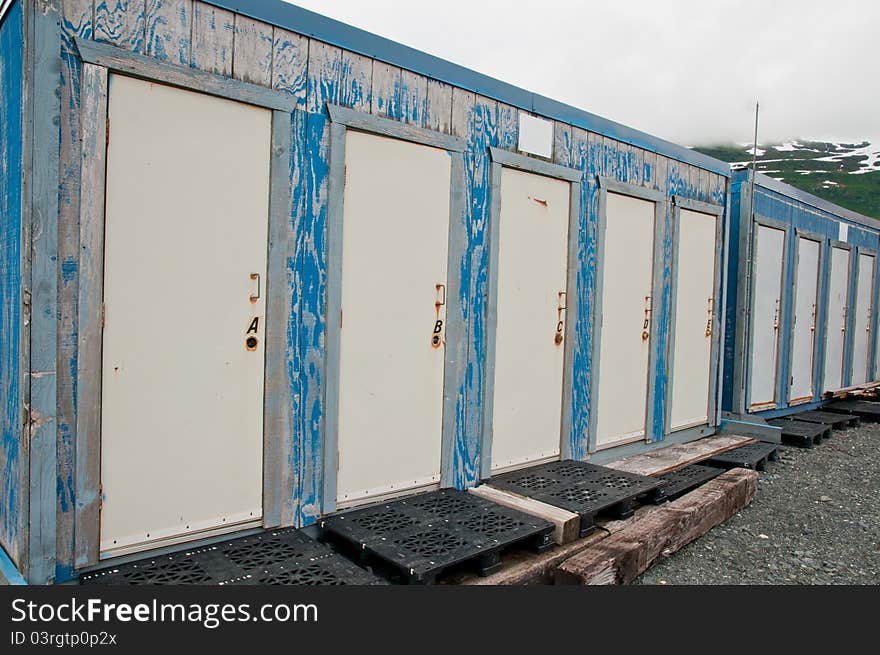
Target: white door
{"points": [[182, 393], [767, 286], [835, 336], [394, 248], [864, 312], [532, 268], [694, 308], [627, 270], [803, 346]]}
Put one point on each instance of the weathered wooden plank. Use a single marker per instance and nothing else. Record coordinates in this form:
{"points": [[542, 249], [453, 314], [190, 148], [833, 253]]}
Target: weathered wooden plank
{"points": [[623, 556], [43, 209], [168, 29], [13, 443], [91, 257], [483, 135], [290, 57], [508, 127], [355, 81], [566, 524], [562, 144], [213, 35], [413, 97], [386, 90], [76, 21], [68, 286], [438, 106], [670, 458], [252, 51], [323, 87], [120, 23]]}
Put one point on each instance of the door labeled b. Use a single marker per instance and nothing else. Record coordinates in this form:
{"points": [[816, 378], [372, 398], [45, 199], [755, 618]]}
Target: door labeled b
{"points": [[838, 317], [532, 301], [186, 229]]}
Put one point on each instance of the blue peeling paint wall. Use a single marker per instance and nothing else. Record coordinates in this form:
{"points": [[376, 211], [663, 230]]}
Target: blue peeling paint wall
{"points": [[795, 210], [12, 495], [318, 61]]}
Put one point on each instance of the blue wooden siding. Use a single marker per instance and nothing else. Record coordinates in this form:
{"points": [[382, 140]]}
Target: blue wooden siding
{"points": [[798, 211], [191, 33], [12, 492]]}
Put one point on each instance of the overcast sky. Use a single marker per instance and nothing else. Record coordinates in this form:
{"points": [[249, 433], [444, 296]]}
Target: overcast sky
{"points": [[686, 70]]}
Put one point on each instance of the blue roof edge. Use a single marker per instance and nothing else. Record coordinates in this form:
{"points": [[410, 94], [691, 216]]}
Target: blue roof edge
{"points": [[308, 23], [805, 197]]}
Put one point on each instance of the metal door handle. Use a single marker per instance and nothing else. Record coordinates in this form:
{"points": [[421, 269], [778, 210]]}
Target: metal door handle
{"points": [[709, 321], [562, 303], [256, 277], [441, 295], [647, 324]]}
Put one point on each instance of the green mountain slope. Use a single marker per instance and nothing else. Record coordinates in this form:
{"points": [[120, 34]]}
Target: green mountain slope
{"points": [[847, 174]]}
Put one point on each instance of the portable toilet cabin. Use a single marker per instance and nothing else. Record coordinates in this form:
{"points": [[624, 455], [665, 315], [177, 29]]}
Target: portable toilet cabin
{"points": [[802, 288], [259, 266]]}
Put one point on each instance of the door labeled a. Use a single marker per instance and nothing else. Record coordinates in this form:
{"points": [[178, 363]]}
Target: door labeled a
{"points": [[694, 322], [395, 236], [626, 320], [864, 315], [806, 298], [766, 316], [531, 312], [184, 305], [836, 328]]}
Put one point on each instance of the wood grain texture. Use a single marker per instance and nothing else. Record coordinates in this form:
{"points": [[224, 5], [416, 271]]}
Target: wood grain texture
{"points": [[213, 36], [77, 20], [68, 288], [413, 98], [252, 52], [13, 447], [91, 273], [120, 23], [43, 190], [670, 458], [168, 30], [355, 81], [323, 87], [386, 90], [659, 533], [290, 56], [566, 525], [438, 106], [508, 127]]}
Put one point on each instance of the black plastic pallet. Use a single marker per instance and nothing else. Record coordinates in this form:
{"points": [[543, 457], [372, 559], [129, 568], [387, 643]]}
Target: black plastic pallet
{"points": [[280, 557], [753, 456], [585, 489], [802, 433], [836, 420], [864, 409], [677, 483], [420, 536]]}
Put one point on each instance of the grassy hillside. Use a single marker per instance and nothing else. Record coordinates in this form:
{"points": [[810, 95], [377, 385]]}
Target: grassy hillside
{"points": [[844, 173]]}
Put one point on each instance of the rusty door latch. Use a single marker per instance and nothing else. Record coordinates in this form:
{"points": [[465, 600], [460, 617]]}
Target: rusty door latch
{"points": [[561, 306], [647, 324], [439, 302]]}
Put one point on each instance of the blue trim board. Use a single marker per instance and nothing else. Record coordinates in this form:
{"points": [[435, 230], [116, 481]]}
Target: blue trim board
{"points": [[12, 450], [308, 23], [9, 574]]}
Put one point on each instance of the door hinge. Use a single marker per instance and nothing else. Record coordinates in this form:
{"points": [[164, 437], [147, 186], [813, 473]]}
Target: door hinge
{"points": [[107, 132], [345, 175], [100, 497], [103, 315]]}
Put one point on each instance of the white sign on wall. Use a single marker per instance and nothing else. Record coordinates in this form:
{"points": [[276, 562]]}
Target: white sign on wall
{"points": [[535, 136], [843, 232]]}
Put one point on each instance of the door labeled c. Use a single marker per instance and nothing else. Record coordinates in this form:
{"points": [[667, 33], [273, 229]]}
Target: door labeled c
{"points": [[531, 313], [182, 391]]}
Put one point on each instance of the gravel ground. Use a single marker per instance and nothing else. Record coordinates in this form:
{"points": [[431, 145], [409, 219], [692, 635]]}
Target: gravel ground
{"points": [[814, 520]]}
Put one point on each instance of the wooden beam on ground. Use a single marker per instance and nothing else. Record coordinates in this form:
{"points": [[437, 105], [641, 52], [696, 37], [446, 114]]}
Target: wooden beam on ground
{"points": [[855, 390], [566, 524], [624, 556], [664, 460]]}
